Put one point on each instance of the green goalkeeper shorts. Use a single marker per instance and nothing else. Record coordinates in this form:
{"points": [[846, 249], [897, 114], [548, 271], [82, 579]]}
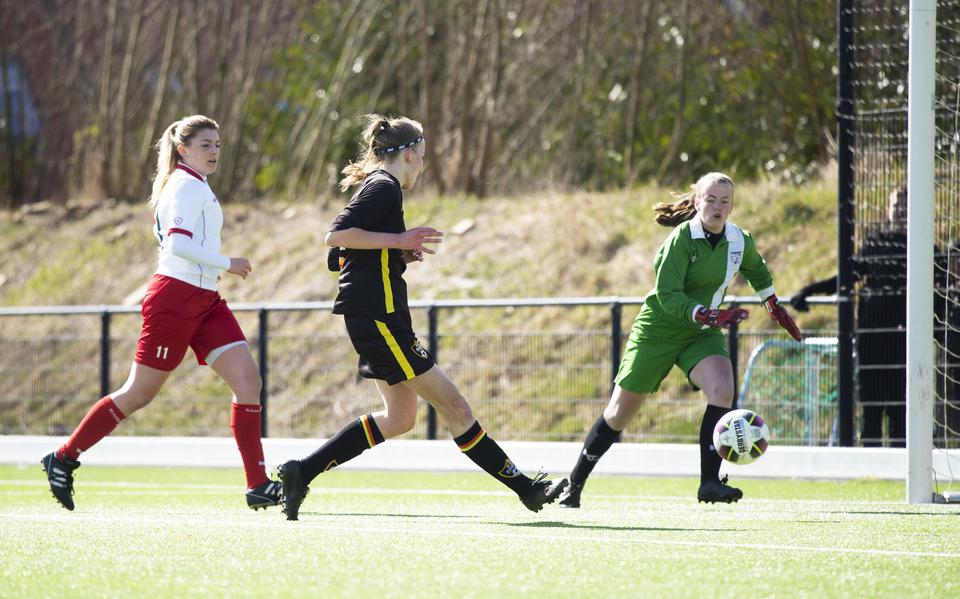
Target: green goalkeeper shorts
{"points": [[652, 351]]}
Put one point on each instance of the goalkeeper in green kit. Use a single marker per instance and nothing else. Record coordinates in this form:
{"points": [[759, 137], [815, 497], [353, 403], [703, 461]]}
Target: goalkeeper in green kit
{"points": [[679, 324]]}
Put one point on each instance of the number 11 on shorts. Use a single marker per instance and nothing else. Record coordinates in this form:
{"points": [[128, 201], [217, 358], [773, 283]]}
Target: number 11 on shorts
{"points": [[162, 351]]}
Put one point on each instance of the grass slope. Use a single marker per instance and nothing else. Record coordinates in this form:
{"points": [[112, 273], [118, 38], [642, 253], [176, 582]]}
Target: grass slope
{"points": [[184, 532], [555, 244]]}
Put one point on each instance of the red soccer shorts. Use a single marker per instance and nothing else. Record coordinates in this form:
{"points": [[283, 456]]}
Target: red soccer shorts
{"points": [[178, 315]]}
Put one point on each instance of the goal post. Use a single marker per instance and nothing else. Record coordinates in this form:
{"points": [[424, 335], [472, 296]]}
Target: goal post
{"points": [[921, 129]]}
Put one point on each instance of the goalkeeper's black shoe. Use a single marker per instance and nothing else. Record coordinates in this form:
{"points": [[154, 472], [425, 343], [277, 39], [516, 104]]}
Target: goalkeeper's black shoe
{"points": [[718, 491], [570, 498], [542, 492], [294, 488], [264, 495], [60, 476]]}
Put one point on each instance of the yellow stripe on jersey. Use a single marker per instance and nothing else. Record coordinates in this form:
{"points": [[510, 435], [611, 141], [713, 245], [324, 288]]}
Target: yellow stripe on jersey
{"points": [[395, 349], [385, 272], [365, 424]]}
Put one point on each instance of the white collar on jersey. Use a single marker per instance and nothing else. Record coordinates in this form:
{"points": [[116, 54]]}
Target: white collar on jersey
{"points": [[696, 229]]}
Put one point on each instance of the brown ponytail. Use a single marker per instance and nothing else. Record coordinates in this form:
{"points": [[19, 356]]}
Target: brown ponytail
{"points": [[381, 138], [684, 208]]}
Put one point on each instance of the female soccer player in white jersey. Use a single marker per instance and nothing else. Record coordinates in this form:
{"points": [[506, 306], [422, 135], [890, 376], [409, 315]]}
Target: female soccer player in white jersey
{"points": [[679, 324], [182, 309], [376, 246]]}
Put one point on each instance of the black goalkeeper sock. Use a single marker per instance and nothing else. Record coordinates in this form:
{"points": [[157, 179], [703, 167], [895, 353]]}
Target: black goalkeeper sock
{"points": [[710, 460], [352, 440], [485, 452], [598, 441]]}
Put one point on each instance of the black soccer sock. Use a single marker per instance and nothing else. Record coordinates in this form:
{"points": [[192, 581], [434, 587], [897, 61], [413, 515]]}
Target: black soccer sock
{"points": [[485, 452], [598, 441], [352, 440], [710, 460]]}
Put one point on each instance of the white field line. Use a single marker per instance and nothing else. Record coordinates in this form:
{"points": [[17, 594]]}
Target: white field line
{"points": [[446, 532], [40, 482], [132, 492]]}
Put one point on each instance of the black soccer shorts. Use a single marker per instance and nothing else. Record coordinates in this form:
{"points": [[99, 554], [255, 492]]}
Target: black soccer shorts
{"points": [[389, 349]]}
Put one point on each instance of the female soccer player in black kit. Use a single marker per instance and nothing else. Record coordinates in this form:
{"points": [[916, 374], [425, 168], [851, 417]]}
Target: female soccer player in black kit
{"points": [[374, 249]]}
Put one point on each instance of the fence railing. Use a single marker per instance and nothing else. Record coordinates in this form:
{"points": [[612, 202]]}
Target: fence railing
{"points": [[533, 382]]}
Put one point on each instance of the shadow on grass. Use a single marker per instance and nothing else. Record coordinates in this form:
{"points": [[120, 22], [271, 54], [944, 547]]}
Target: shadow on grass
{"points": [[384, 515], [554, 524], [896, 513]]}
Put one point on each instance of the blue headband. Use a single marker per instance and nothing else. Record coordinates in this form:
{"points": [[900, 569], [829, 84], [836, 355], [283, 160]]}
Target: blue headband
{"points": [[383, 151]]}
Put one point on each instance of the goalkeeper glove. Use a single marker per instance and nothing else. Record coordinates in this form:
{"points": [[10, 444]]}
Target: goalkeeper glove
{"points": [[779, 314], [720, 318]]}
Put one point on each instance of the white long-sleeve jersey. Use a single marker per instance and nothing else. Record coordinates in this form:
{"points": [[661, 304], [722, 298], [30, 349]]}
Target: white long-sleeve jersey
{"points": [[187, 225]]}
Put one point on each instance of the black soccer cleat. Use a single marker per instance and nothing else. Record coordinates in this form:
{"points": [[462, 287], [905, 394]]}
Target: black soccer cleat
{"points": [[294, 489], [718, 491], [542, 492], [264, 495], [60, 476], [570, 498]]}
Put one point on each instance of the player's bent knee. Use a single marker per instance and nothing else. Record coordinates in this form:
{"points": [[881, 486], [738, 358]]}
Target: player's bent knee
{"points": [[398, 423], [249, 387], [406, 422], [128, 403], [256, 384], [721, 396]]}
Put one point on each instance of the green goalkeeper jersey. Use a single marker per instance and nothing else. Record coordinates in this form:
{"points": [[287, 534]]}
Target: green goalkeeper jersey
{"points": [[691, 273]]}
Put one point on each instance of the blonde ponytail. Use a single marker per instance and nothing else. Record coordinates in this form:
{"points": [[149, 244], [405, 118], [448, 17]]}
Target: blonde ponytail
{"points": [[179, 132]]}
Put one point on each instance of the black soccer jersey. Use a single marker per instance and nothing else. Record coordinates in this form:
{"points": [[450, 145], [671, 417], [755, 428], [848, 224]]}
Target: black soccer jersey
{"points": [[371, 281]]}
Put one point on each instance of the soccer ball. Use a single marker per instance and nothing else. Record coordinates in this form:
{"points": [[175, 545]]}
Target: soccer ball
{"points": [[741, 436]]}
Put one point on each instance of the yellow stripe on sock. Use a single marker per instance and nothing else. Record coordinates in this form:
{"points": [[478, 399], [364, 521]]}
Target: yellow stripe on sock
{"points": [[472, 443], [395, 349], [385, 273], [365, 423]]}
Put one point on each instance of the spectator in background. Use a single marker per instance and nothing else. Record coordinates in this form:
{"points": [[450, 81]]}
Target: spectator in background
{"points": [[880, 268]]}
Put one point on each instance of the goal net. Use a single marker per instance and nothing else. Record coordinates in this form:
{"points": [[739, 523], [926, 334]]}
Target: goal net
{"points": [[879, 118]]}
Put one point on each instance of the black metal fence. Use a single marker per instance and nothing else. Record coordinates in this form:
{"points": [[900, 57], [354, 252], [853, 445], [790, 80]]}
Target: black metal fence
{"points": [[536, 369]]}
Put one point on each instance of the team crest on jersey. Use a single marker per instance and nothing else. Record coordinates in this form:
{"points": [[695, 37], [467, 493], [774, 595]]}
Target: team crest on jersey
{"points": [[177, 220], [694, 258], [418, 349], [735, 257], [509, 470]]}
